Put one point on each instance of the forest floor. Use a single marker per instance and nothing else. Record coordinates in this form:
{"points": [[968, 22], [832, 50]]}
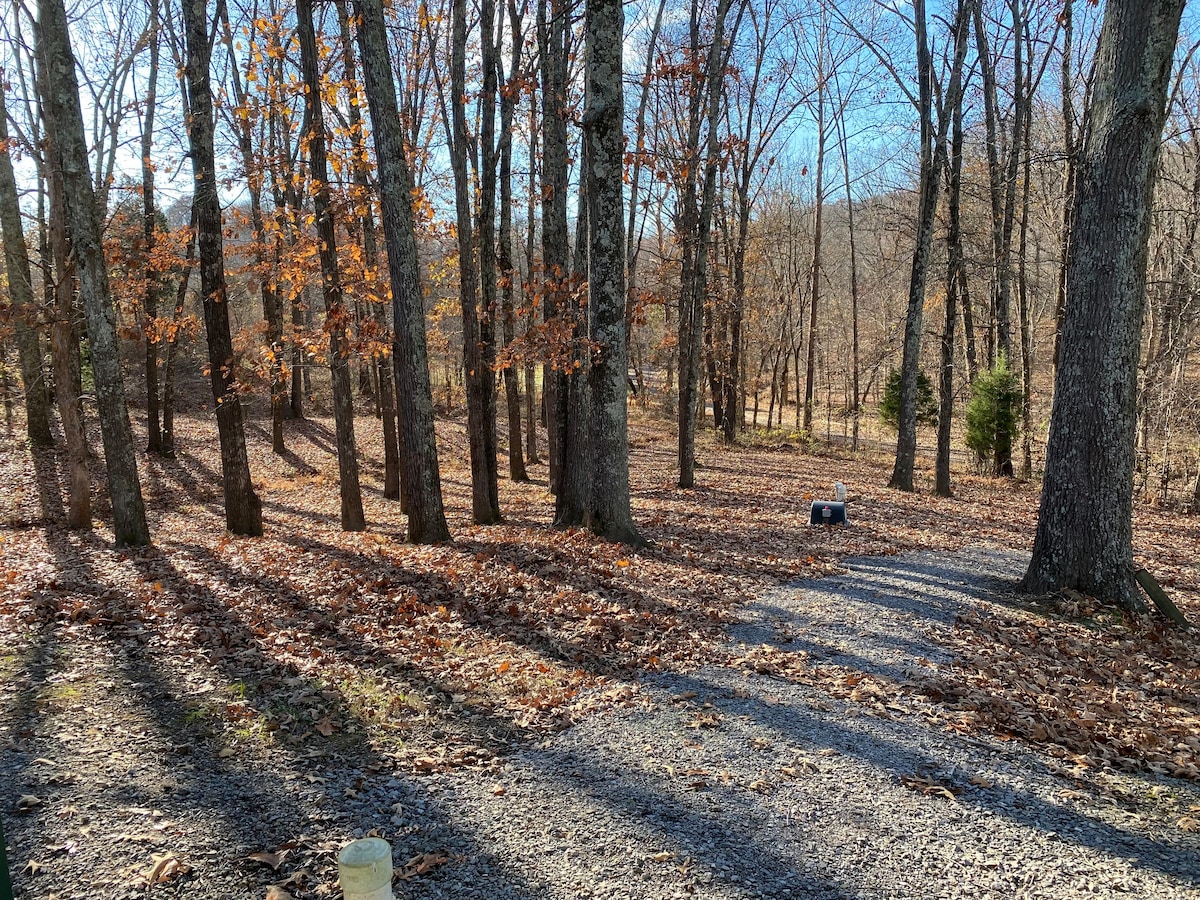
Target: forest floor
{"points": [[747, 707]]}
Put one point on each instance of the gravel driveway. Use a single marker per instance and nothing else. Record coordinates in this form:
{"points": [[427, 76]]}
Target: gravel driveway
{"points": [[728, 782]]}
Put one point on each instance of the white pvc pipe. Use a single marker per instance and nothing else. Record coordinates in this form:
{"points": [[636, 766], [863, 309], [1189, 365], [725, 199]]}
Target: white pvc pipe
{"points": [[365, 870]]}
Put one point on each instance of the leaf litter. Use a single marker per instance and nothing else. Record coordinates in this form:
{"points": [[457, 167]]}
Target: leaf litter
{"points": [[438, 657]]}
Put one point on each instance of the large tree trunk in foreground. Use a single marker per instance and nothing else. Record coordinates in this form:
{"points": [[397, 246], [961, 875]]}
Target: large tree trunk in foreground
{"points": [[65, 120], [243, 509], [1085, 533], [610, 515], [336, 316], [20, 291], [421, 481]]}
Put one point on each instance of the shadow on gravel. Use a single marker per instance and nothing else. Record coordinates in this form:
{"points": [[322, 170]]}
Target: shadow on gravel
{"points": [[243, 797], [727, 840], [898, 756]]}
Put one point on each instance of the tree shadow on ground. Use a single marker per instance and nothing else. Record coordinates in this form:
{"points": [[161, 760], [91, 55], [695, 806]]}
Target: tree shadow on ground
{"points": [[903, 753]]}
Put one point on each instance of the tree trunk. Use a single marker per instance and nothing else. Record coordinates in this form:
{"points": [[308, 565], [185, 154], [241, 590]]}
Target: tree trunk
{"points": [[64, 122], [272, 311], [64, 349], [552, 42], [507, 270], [610, 515], [528, 286], [336, 316], [421, 481], [149, 217], [933, 160], [954, 262], [856, 407], [364, 190], [572, 503], [1085, 536], [20, 290], [696, 224], [243, 509], [815, 273], [1069, 153]]}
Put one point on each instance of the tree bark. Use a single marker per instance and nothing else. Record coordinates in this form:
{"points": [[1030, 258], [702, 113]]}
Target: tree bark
{"points": [[954, 262], [243, 509], [507, 269], [336, 316], [272, 310], [552, 32], [149, 221], [421, 481], [64, 122], [607, 378], [933, 160], [1085, 533], [363, 191], [20, 290], [695, 225], [815, 273]]}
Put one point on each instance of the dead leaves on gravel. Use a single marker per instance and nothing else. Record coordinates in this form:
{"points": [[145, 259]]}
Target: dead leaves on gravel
{"points": [[1122, 695], [313, 637]]}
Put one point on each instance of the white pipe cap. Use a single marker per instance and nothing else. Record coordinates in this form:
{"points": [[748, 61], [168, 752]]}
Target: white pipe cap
{"points": [[365, 870]]}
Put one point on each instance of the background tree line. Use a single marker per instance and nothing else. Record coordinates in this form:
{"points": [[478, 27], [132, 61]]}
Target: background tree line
{"points": [[754, 215]]}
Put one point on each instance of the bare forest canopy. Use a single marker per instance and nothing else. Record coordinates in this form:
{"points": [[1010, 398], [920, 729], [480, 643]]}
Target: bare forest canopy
{"points": [[535, 212]]}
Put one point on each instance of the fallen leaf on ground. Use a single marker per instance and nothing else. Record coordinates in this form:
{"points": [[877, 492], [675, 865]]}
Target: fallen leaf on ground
{"points": [[421, 865], [927, 786], [274, 860], [165, 868]]}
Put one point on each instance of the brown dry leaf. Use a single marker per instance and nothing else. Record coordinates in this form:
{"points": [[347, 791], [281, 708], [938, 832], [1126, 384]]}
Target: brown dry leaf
{"points": [[275, 892], [325, 726], [274, 860], [980, 782], [1189, 823], [166, 867], [704, 720], [32, 867], [28, 802], [421, 865], [927, 786], [296, 878]]}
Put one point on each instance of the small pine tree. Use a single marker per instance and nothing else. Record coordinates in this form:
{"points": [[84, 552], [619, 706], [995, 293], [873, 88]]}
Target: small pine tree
{"points": [[889, 404], [994, 411]]}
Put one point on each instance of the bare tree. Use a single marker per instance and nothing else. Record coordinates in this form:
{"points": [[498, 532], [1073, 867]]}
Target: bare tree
{"points": [[64, 120], [243, 509], [336, 316], [933, 161], [20, 289], [418, 445]]}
